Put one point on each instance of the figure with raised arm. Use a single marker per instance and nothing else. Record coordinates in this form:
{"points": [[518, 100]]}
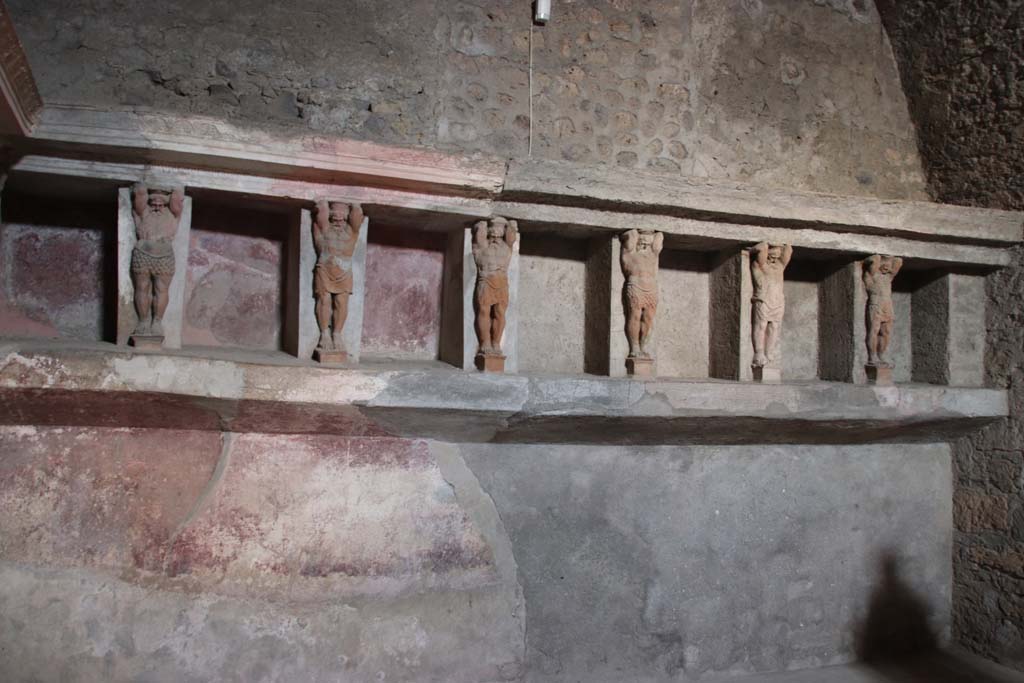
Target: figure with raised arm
{"points": [[879, 272], [767, 269], [493, 242], [639, 261], [335, 235], [156, 214]]}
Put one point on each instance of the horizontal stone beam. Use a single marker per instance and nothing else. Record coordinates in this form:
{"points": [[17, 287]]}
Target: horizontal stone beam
{"points": [[689, 233], [446, 212], [633, 191], [297, 167], [214, 144], [100, 387]]}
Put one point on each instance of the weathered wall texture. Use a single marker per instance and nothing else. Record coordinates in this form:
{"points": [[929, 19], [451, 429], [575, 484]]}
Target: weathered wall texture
{"points": [[552, 295], [234, 287], [188, 555], [800, 93], [962, 64], [55, 269], [402, 310], [656, 563]]}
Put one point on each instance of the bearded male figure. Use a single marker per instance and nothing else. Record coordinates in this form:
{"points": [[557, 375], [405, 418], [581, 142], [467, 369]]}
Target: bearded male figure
{"points": [[335, 234], [879, 272], [767, 268], [639, 261], [492, 250], [156, 214]]}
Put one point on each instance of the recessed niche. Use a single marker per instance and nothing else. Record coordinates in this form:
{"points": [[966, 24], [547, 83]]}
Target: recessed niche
{"points": [[681, 326], [800, 338], [553, 304], [58, 259], [237, 270], [402, 306]]}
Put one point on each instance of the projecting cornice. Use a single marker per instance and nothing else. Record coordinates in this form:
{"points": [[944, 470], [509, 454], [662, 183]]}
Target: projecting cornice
{"points": [[433, 189], [20, 104]]}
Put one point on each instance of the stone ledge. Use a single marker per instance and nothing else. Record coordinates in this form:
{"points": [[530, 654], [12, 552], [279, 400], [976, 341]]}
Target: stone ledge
{"points": [[108, 387]]}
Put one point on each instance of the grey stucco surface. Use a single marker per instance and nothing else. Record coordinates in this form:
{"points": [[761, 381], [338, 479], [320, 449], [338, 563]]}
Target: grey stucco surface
{"points": [[667, 563]]}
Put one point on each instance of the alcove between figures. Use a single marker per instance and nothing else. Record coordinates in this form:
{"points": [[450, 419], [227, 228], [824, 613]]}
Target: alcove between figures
{"points": [[405, 272], [238, 282], [58, 258]]}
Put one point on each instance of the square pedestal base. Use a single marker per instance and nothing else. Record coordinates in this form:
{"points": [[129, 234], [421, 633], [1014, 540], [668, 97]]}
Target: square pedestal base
{"points": [[147, 342], [879, 375], [322, 356], [640, 367], [490, 363], [767, 375]]}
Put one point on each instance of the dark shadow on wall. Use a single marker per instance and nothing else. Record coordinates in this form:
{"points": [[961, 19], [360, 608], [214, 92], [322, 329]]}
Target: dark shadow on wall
{"points": [[897, 642]]}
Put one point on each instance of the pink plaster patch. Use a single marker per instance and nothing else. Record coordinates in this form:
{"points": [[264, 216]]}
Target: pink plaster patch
{"points": [[402, 311], [109, 498], [368, 512]]}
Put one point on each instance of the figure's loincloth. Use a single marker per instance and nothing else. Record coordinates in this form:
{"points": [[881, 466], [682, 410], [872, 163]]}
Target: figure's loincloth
{"points": [[772, 314], [492, 290], [881, 311], [331, 278], [153, 257], [641, 297]]}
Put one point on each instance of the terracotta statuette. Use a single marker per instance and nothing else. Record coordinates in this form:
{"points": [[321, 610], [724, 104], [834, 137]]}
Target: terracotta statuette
{"points": [[335, 234], [879, 272], [767, 269], [156, 214], [639, 261], [492, 250]]}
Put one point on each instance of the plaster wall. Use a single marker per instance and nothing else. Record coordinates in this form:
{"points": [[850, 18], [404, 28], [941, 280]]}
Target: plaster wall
{"points": [[234, 288], [800, 94], [552, 296], [799, 346], [56, 265], [404, 277], [186, 555], [682, 321]]}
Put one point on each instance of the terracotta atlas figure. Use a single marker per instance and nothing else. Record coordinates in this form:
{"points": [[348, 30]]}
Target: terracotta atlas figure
{"points": [[767, 269], [493, 242], [879, 272], [639, 261], [156, 214], [335, 234]]}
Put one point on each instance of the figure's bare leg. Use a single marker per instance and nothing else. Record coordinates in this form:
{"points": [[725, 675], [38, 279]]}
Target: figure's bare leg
{"points": [[483, 328], [758, 332], [884, 332], [143, 284], [340, 315], [633, 330], [771, 340], [323, 319], [497, 327], [161, 295], [873, 342], [646, 328]]}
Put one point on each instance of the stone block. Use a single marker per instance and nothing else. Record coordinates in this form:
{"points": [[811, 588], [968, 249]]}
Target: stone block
{"points": [[975, 510], [640, 367], [877, 374], [766, 375], [322, 356], [146, 342], [490, 363]]}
